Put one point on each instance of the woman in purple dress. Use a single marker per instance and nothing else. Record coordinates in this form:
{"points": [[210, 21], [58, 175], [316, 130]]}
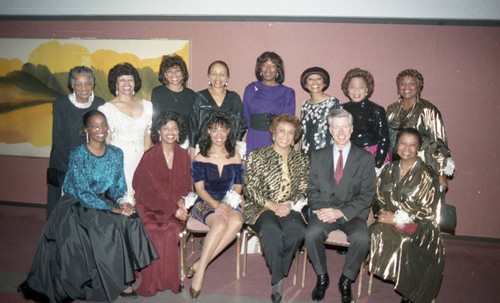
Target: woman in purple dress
{"points": [[265, 99]]}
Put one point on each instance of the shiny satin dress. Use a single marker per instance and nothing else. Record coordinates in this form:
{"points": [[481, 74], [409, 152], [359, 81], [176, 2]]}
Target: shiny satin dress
{"points": [[86, 252], [415, 263], [216, 184]]}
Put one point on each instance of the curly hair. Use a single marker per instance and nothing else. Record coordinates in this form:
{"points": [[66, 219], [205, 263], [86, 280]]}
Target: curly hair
{"points": [[315, 71], [276, 59], [412, 73], [163, 118], [217, 118], [358, 73], [120, 70], [286, 118], [77, 70], [169, 61]]}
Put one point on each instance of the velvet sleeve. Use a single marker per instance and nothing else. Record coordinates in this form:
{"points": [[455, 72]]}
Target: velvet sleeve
{"points": [[238, 173], [77, 182], [197, 171]]}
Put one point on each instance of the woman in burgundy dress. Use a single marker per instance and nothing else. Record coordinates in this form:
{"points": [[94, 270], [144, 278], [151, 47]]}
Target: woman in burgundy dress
{"points": [[161, 180]]}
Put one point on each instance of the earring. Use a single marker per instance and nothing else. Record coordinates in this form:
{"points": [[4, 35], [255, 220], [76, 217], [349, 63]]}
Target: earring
{"points": [[260, 74], [225, 85], [159, 138], [116, 92], [133, 93], [274, 138], [277, 75], [209, 83], [87, 137]]}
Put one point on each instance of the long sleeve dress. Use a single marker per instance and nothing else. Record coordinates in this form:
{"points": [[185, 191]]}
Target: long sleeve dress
{"points": [[157, 191], [427, 119], [86, 252], [128, 134], [371, 131], [269, 100], [204, 104], [315, 129], [67, 125], [415, 263]]}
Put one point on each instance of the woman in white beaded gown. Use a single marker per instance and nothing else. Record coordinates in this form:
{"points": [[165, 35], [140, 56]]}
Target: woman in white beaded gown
{"points": [[129, 118]]}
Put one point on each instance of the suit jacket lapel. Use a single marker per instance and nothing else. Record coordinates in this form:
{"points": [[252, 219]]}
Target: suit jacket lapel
{"points": [[328, 167]]}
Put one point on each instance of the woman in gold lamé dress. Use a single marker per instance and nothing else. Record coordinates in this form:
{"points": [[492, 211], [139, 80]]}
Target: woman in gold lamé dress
{"points": [[413, 111], [410, 252]]}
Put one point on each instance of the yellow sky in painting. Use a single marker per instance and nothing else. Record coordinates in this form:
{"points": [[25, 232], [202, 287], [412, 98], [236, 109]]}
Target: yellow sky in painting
{"points": [[9, 65], [73, 54]]}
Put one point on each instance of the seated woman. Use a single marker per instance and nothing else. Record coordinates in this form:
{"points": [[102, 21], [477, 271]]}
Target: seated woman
{"points": [[78, 258], [161, 180], [276, 177], [406, 246], [216, 170]]}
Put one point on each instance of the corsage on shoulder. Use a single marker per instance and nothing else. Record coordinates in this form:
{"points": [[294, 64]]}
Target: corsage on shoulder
{"points": [[232, 198], [449, 169], [190, 199]]}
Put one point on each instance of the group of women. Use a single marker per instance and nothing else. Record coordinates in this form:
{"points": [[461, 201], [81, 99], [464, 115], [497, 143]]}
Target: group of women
{"points": [[184, 141]]}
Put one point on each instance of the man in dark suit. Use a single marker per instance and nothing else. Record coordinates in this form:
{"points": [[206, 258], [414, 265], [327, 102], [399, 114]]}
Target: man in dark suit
{"points": [[341, 188]]}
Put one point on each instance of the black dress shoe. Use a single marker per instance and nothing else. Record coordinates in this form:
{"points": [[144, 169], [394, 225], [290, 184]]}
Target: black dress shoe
{"points": [[322, 284], [129, 295], [276, 297], [345, 289], [29, 294]]}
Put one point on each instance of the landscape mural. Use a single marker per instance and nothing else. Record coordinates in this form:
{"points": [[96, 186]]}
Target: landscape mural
{"points": [[34, 72]]}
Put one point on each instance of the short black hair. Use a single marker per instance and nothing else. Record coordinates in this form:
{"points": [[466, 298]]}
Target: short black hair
{"points": [[315, 71], [120, 70], [217, 117], [163, 118], [276, 60]]}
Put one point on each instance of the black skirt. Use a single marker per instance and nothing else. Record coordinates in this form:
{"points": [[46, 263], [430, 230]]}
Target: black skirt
{"points": [[87, 254]]}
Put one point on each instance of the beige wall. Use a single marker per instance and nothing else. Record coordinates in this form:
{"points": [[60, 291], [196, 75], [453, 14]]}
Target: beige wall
{"points": [[459, 65]]}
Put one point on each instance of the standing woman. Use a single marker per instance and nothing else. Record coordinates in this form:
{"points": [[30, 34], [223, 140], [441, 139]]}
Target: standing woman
{"points": [[371, 131], [129, 119], [276, 179], [265, 99], [315, 133], [161, 180], [412, 111], [216, 170], [67, 128], [216, 97], [94, 241], [174, 93]]}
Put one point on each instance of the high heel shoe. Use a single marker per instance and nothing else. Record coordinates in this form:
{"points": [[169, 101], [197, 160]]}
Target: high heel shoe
{"points": [[194, 293], [191, 272]]}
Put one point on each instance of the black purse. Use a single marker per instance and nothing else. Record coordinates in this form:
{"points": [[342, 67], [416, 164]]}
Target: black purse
{"points": [[55, 176], [448, 222]]}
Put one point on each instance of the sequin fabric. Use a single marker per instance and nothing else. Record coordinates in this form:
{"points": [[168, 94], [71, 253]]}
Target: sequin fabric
{"points": [[370, 128], [89, 176], [315, 132]]}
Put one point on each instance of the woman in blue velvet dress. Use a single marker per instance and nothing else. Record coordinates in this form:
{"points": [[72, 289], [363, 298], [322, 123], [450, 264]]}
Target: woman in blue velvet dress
{"points": [[216, 170], [91, 245]]}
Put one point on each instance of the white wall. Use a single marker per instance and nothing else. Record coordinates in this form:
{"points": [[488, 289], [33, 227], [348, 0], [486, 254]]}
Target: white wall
{"points": [[406, 9]]}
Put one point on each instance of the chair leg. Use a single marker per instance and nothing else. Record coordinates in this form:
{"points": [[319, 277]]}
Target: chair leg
{"points": [[182, 251], [361, 272], [296, 267], [238, 248], [370, 283], [304, 268], [192, 242], [245, 247]]}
